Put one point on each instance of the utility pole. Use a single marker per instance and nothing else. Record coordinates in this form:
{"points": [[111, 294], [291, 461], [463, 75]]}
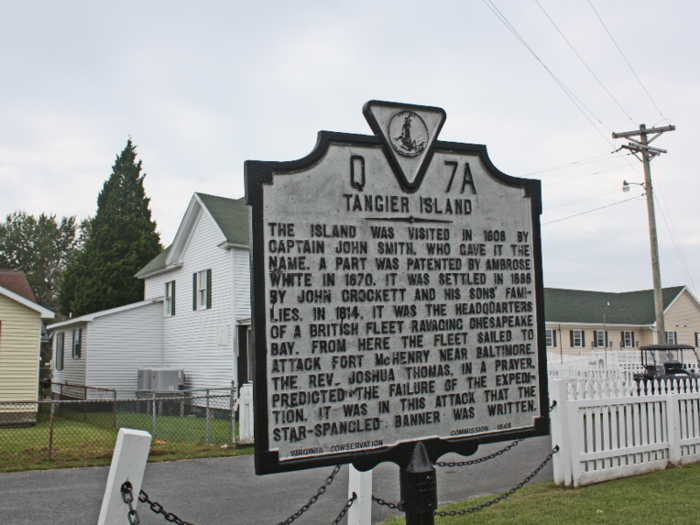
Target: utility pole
{"points": [[641, 147]]}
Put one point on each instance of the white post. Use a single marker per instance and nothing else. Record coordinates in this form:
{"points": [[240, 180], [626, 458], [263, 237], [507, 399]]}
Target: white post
{"points": [[673, 419], [361, 484], [128, 464], [561, 462]]}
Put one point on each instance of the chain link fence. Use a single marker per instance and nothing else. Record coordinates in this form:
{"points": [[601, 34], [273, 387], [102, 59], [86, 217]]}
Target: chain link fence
{"points": [[84, 431]]}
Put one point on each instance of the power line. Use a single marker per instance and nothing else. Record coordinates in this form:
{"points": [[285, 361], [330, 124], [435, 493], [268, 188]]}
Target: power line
{"points": [[589, 211], [584, 63], [582, 200], [574, 99], [585, 176], [628, 62], [589, 160]]}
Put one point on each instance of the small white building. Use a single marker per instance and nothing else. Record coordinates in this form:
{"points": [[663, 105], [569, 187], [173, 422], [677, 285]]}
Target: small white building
{"points": [[195, 315], [106, 349]]}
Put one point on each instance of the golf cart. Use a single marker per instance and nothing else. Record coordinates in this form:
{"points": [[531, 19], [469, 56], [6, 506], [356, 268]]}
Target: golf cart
{"points": [[665, 362]]}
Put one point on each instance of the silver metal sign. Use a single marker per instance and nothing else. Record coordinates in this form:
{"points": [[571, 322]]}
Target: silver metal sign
{"points": [[397, 297]]}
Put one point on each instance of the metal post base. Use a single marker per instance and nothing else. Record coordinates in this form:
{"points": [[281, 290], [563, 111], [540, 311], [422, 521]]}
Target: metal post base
{"points": [[419, 488]]}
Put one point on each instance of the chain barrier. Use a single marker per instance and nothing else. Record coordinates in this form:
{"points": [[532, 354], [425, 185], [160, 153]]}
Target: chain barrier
{"points": [[314, 498], [480, 460], [503, 496], [345, 510], [396, 506], [128, 498], [133, 516]]}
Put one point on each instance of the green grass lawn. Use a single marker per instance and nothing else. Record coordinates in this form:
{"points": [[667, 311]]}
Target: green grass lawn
{"points": [[79, 444], [669, 497]]}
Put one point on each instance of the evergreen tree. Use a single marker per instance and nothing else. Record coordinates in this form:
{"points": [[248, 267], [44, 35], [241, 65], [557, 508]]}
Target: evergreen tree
{"points": [[122, 240]]}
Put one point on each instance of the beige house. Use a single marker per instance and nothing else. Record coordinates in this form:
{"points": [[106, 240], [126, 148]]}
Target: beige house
{"points": [[20, 342], [579, 321]]}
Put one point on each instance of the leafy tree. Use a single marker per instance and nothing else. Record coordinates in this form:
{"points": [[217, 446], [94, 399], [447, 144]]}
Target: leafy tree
{"points": [[42, 247], [121, 239]]}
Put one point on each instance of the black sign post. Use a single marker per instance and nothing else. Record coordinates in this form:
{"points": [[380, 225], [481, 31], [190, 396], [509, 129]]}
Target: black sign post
{"points": [[397, 302]]}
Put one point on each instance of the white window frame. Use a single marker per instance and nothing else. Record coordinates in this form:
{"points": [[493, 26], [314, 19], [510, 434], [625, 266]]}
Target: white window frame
{"points": [[576, 335], [202, 290], [599, 338], [169, 303], [77, 343], [549, 337], [627, 338], [671, 337]]}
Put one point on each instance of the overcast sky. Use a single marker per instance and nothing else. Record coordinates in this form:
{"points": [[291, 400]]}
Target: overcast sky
{"points": [[200, 87]]}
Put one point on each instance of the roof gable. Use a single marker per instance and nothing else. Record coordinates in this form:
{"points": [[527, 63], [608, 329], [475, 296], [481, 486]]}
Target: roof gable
{"points": [[625, 308], [43, 312], [229, 215], [16, 281]]}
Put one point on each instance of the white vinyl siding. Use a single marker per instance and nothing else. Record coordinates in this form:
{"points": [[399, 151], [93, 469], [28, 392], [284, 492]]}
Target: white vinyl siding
{"points": [[190, 338], [121, 343], [73, 369], [241, 260]]}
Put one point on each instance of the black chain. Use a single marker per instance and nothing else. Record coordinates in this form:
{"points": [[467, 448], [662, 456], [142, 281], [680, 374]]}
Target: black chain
{"points": [[128, 498], [480, 460], [502, 496], [396, 506], [345, 510], [158, 509], [313, 499]]}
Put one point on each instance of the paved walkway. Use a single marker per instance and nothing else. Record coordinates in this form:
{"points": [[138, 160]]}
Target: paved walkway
{"points": [[226, 491]]}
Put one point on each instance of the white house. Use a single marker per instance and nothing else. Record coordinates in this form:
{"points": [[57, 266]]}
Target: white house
{"points": [[98, 350], [195, 314]]}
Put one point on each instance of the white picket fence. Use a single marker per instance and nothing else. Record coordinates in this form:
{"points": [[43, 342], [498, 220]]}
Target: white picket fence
{"points": [[609, 429]]}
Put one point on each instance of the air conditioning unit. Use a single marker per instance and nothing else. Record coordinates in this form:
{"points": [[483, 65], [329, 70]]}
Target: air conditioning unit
{"points": [[162, 379]]}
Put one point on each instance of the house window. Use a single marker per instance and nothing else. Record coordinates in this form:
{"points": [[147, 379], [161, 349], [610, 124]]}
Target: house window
{"points": [[578, 338], [169, 305], [201, 290], [600, 338], [627, 339], [671, 338], [550, 337], [60, 339], [77, 342]]}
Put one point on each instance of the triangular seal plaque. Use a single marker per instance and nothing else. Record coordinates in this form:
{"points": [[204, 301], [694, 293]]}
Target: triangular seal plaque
{"points": [[408, 133]]}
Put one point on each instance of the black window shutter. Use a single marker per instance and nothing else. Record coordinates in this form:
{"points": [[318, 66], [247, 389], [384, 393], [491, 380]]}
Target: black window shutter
{"points": [[172, 299], [554, 338], [594, 343], [606, 338], [583, 338], [79, 346], [571, 337], [622, 339], [194, 291], [632, 339], [208, 289]]}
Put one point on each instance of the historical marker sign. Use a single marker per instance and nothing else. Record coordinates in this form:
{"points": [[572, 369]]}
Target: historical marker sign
{"points": [[397, 297]]}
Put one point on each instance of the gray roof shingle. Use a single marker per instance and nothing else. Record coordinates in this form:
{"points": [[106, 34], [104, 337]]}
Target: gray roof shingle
{"points": [[581, 306]]}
